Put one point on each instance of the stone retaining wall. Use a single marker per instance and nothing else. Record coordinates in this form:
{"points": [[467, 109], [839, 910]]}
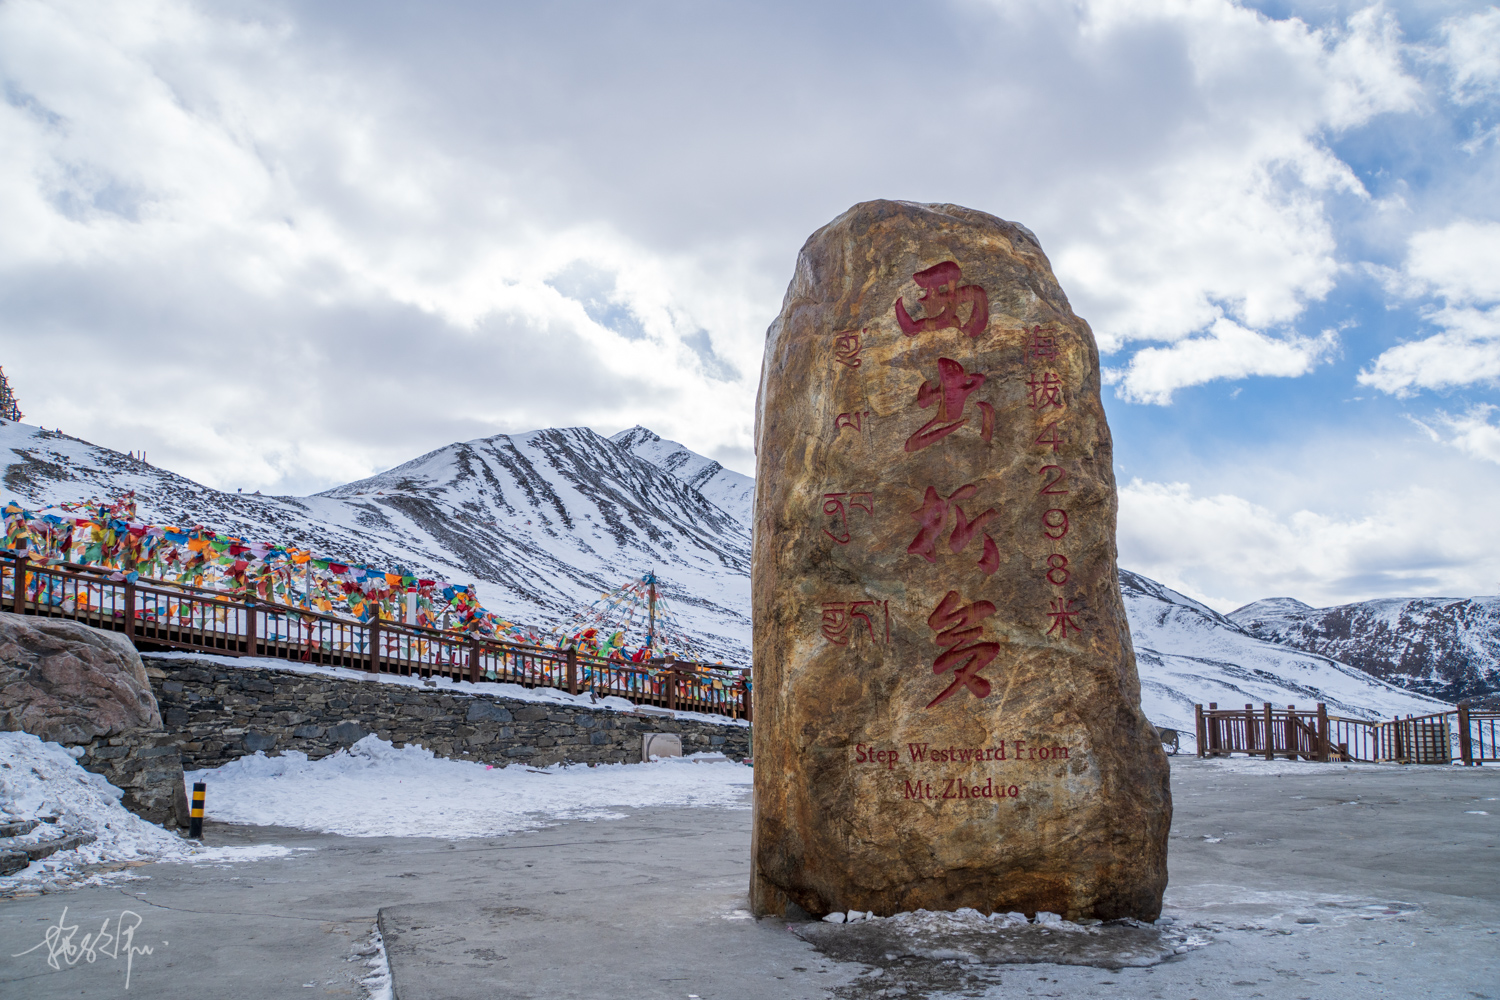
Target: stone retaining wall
{"points": [[145, 765], [218, 713]]}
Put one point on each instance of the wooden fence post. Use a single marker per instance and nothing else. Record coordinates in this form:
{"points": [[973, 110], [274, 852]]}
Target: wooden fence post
{"points": [[1270, 733], [1322, 732], [250, 628], [473, 660], [671, 669], [375, 639], [1202, 737], [572, 670], [1213, 728], [130, 611], [1465, 747], [19, 604]]}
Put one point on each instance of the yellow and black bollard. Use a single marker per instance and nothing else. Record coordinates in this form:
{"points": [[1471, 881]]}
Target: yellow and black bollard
{"points": [[195, 823]]}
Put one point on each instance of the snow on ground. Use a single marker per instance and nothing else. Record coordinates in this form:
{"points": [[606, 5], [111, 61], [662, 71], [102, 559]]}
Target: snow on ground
{"points": [[546, 695], [39, 780], [375, 790]]}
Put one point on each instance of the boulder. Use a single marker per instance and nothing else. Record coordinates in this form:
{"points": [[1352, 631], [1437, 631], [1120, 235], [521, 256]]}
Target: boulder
{"points": [[947, 712], [68, 683], [78, 686]]}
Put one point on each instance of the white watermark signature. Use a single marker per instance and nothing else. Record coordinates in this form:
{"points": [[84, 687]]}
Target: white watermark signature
{"points": [[62, 949]]}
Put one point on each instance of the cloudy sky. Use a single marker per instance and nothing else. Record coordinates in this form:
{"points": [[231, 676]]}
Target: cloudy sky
{"points": [[280, 246]]}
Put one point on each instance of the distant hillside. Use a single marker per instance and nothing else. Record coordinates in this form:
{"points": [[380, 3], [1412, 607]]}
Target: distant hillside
{"points": [[541, 523], [1446, 647], [1189, 654]]}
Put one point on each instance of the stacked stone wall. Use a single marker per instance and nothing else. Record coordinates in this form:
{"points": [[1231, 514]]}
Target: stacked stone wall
{"points": [[145, 765], [218, 713]]}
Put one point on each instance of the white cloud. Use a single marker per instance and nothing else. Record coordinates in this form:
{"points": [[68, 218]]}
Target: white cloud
{"points": [[1231, 218], [236, 201], [1228, 350], [1471, 432], [283, 246], [1460, 263], [1228, 551], [1472, 51]]}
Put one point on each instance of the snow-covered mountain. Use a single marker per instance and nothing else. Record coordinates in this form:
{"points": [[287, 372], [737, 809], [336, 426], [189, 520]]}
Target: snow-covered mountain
{"points": [[1445, 647], [541, 523], [1187, 654], [725, 488]]}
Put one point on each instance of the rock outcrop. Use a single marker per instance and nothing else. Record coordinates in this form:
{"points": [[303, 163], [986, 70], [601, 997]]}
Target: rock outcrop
{"points": [[946, 702], [1444, 647], [70, 684]]}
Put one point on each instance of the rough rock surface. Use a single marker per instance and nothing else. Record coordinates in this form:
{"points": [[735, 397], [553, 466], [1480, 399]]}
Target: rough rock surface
{"points": [[947, 707], [1446, 647], [78, 686], [68, 683]]}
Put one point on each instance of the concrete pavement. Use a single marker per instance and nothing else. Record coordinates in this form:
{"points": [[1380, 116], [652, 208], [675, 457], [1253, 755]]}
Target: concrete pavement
{"points": [[1303, 880]]}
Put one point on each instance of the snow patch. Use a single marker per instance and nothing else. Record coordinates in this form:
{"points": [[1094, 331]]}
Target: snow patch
{"points": [[375, 790], [40, 780]]}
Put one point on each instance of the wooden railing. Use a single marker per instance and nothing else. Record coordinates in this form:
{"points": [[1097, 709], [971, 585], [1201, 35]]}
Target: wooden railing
{"points": [[1316, 735], [156, 614]]}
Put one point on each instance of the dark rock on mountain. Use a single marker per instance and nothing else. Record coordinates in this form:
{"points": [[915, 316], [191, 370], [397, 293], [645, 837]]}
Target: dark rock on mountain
{"points": [[1448, 648], [724, 487]]}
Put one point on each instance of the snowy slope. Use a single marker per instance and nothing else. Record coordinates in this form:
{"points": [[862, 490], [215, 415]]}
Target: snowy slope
{"points": [[1446, 647], [729, 490], [541, 523], [1189, 654]]}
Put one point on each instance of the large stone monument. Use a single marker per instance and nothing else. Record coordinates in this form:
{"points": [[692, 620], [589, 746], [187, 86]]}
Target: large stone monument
{"points": [[947, 711]]}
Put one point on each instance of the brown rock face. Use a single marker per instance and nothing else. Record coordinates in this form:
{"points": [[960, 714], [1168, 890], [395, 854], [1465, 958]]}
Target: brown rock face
{"points": [[947, 711], [68, 683]]}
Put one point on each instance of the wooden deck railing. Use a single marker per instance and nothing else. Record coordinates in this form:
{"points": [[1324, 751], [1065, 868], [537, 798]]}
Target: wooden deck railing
{"points": [[156, 614], [1315, 735]]}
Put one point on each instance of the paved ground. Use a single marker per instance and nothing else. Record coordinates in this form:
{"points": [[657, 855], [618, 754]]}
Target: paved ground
{"points": [[1396, 867]]}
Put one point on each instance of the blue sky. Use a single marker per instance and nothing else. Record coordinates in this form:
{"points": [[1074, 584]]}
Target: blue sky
{"points": [[282, 245]]}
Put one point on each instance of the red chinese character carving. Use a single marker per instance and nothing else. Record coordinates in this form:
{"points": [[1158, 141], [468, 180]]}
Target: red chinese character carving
{"points": [[1041, 346], [1043, 391], [853, 420], [833, 506], [951, 393], [933, 517], [838, 616], [846, 347], [1062, 614], [943, 295], [957, 629]]}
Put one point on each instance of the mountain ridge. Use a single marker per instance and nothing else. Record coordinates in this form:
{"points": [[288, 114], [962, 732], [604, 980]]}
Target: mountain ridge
{"points": [[540, 523], [1446, 647], [543, 521]]}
